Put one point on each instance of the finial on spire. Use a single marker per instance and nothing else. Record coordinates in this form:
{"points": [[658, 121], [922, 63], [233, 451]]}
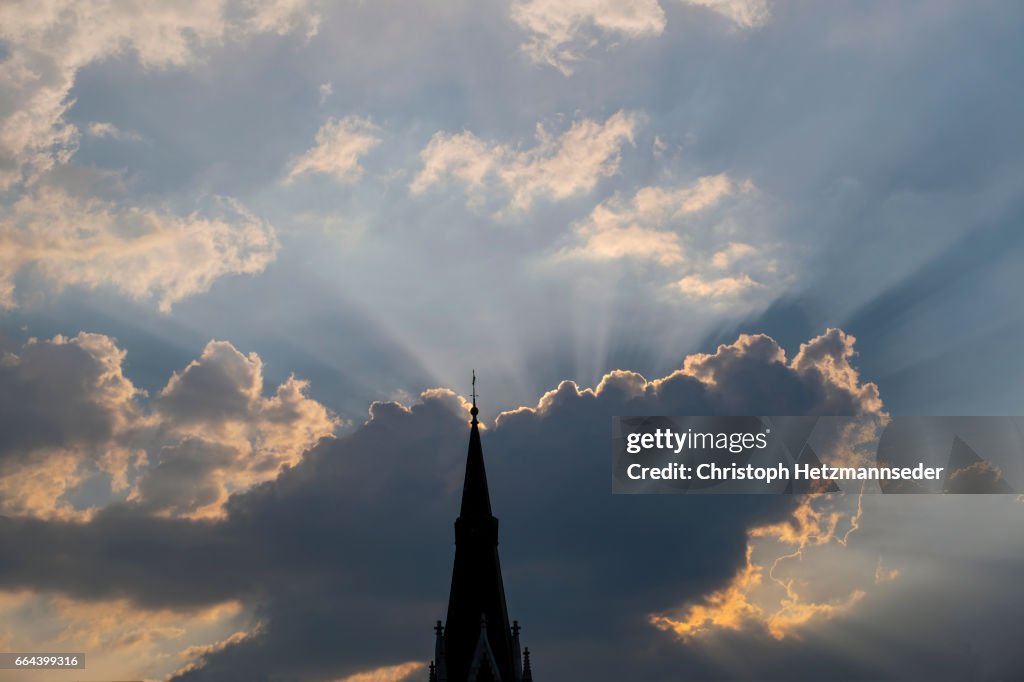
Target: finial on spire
{"points": [[473, 410]]}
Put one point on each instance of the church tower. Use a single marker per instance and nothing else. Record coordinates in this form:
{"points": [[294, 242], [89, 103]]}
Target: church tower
{"points": [[477, 644]]}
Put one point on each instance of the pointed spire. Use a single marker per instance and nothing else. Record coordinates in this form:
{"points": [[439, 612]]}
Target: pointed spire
{"points": [[476, 501], [527, 671], [517, 655], [438, 673], [477, 634]]}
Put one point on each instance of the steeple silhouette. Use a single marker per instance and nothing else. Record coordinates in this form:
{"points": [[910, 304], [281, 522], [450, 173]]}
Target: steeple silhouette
{"points": [[476, 500], [476, 643]]}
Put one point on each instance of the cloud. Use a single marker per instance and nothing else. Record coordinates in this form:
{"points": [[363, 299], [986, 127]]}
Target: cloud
{"points": [[218, 387], [736, 251], [560, 33], [196, 655], [339, 146], [144, 252], [66, 404], [105, 129], [630, 241], [744, 14], [696, 286], [555, 168], [827, 377], [727, 608], [61, 240], [325, 90], [982, 477], [779, 606], [697, 235], [884, 574], [73, 416], [831, 355], [277, 16], [397, 477], [48, 44], [225, 435], [116, 634], [636, 229], [392, 673]]}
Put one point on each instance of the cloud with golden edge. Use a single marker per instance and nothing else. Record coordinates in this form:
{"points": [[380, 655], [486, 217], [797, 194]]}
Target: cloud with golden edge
{"points": [[117, 635], [62, 240], [776, 606], [560, 32], [696, 286], [340, 144], [748, 602], [47, 44], [390, 673], [695, 233], [728, 608], [51, 237], [209, 432], [555, 168], [198, 654], [638, 229]]}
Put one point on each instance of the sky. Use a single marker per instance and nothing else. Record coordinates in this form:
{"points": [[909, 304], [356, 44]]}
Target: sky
{"points": [[250, 251]]}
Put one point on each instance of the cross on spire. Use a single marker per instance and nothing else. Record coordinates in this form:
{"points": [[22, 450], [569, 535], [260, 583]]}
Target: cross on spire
{"points": [[474, 411]]}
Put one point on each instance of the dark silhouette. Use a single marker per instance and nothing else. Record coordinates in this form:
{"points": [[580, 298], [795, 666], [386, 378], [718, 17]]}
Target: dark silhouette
{"points": [[477, 644]]}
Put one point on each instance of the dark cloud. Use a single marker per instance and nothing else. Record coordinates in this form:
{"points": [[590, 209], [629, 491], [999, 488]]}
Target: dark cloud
{"points": [[61, 393], [71, 417], [183, 478], [122, 553], [221, 385], [347, 554]]}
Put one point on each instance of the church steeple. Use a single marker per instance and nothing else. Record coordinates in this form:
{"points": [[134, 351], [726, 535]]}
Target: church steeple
{"points": [[477, 644], [476, 500]]}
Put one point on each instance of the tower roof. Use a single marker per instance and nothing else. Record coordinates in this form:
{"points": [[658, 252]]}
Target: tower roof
{"points": [[476, 500]]}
